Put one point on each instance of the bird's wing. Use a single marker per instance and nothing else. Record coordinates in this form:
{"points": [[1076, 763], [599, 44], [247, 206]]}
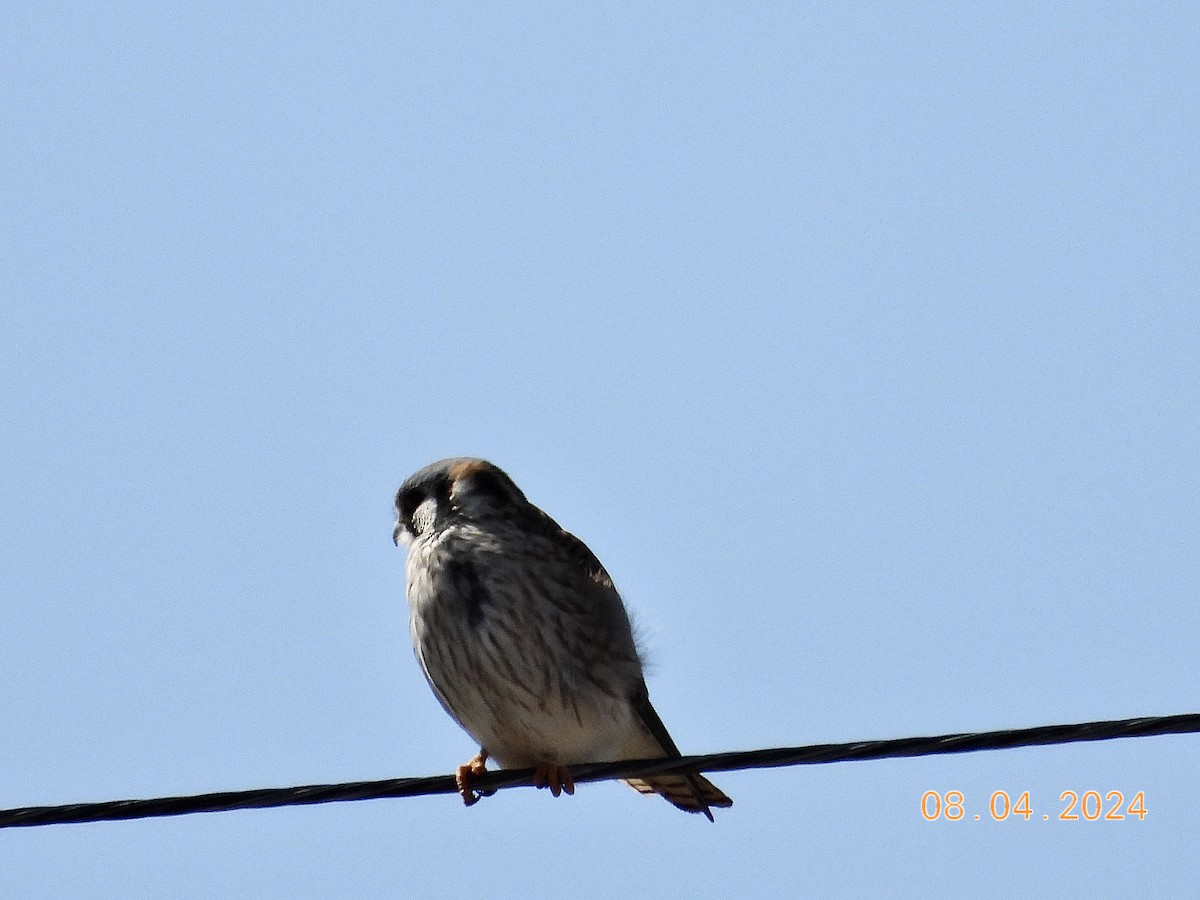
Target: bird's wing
{"points": [[649, 717]]}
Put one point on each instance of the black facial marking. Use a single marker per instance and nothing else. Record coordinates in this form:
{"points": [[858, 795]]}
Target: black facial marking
{"points": [[465, 583], [407, 501], [420, 487], [441, 491]]}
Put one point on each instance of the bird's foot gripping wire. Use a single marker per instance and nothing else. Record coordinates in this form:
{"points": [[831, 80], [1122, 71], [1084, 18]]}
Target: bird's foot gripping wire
{"points": [[473, 768], [557, 778]]}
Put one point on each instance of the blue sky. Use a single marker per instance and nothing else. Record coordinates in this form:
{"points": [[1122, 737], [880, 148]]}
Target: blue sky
{"points": [[860, 342]]}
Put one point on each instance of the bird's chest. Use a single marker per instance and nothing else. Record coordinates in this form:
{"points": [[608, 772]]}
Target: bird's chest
{"points": [[495, 653], [457, 590]]}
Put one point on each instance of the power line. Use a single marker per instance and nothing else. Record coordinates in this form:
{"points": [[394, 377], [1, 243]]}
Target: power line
{"points": [[812, 754]]}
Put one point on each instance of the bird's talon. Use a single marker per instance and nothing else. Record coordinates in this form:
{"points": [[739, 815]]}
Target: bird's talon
{"points": [[557, 778], [473, 768]]}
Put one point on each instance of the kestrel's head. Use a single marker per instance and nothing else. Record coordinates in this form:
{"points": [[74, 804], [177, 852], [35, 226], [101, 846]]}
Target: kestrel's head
{"points": [[456, 488]]}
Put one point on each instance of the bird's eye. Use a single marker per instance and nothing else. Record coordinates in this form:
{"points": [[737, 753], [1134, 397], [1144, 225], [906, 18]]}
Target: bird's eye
{"points": [[407, 503]]}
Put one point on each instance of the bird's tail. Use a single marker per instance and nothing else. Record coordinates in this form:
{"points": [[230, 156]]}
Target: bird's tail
{"points": [[691, 793]]}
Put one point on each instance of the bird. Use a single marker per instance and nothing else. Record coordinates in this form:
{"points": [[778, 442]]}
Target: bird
{"points": [[523, 637]]}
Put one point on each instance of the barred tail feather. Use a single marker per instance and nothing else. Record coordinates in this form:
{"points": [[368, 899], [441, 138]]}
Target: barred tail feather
{"points": [[691, 793]]}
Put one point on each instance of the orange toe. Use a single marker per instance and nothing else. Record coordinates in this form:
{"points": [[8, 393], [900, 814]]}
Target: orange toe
{"points": [[473, 768], [557, 778]]}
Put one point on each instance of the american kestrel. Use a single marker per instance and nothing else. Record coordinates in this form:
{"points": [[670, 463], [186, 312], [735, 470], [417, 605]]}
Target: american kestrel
{"points": [[523, 637]]}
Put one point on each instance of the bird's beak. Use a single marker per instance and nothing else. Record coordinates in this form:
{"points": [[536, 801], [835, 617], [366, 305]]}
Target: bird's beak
{"points": [[397, 532]]}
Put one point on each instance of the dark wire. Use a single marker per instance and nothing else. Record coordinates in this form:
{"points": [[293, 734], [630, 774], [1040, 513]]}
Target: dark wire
{"points": [[506, 778]]}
